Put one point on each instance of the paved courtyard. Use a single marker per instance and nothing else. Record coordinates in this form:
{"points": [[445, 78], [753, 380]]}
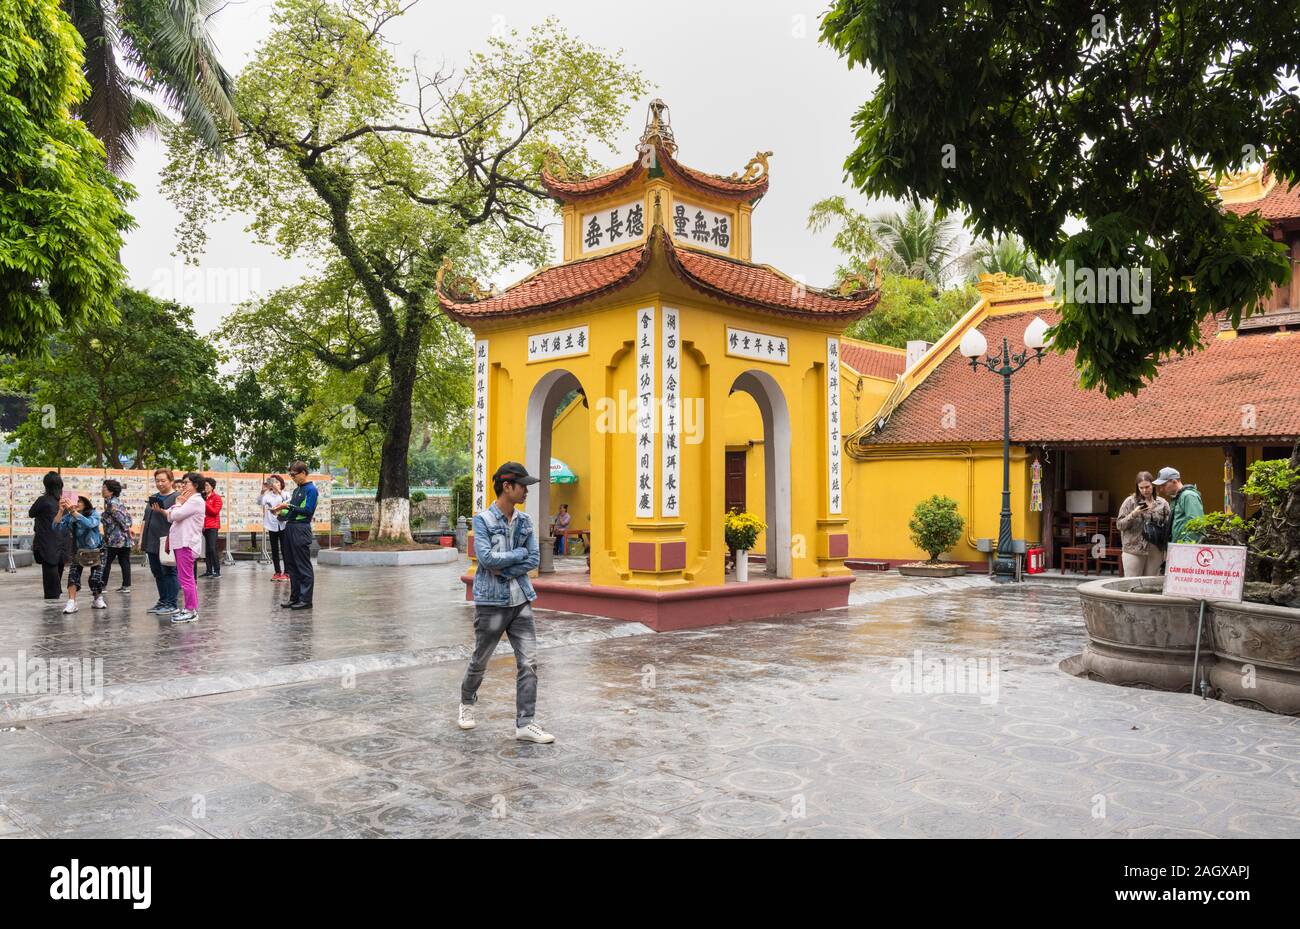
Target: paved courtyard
{"points": [[929, 709]]}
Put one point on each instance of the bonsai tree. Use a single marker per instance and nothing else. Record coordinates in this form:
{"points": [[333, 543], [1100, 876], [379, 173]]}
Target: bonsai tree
{"points": [[742, 530], [936, 526], [1270, 535]]}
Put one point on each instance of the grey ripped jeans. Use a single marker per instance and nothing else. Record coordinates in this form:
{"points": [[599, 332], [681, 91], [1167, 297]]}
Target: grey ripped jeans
{"points": [[517, 623]]}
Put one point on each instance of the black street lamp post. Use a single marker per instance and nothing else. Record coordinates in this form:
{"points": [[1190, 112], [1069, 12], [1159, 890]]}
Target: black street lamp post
{"points": [[1005, 364]]}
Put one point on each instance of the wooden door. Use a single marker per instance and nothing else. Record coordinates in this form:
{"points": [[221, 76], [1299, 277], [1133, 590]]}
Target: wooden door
{"points": [[735, 473]]}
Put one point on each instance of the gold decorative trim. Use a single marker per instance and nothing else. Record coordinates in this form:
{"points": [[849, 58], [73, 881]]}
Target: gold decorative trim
{"points": [[554, 165], [754, 170], [855, 283], [460, 284], [1003, 286]]}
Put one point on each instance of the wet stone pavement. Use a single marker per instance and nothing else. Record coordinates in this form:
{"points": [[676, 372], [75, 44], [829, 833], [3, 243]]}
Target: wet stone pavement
{"points": [[920, 710]]}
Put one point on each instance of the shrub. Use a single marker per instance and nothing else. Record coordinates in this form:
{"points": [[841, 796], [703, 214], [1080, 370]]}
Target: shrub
{"points": [[1270, 481], [936, 525], [742, 530], [1219, 528], [462, 498], [418, 496]]}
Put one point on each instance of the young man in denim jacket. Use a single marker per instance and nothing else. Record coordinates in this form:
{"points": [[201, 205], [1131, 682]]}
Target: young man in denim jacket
{"points": [[505, 545]]}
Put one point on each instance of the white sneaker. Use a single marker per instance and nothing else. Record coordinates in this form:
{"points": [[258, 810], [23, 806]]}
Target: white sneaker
{"points": [[534, 733], [71, 607], [99, 603], [465, 718], [184, 616]]}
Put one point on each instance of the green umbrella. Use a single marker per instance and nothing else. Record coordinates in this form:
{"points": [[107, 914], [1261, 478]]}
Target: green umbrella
{"points": [[561, 474]]}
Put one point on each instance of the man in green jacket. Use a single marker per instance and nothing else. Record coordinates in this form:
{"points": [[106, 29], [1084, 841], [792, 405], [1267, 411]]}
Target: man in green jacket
{"points": [[1185, 501]]}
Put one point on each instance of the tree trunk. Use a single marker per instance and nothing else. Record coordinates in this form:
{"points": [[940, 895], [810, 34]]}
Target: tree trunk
{"points": [[393, 503]]}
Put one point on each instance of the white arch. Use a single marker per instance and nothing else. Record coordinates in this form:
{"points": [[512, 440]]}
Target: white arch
{"points": [[770, 398], [546, 396]]}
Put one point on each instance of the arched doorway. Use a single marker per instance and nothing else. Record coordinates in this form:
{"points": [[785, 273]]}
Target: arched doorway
{"points": [[543, 403], [775, 414]]}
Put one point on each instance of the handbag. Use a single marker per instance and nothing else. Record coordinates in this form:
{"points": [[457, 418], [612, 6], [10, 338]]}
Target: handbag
{"points": [[1156, 532], [90, 557], [165, 554]]}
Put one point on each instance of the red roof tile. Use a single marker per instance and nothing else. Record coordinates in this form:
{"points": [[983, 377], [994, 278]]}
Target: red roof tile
{"points": [[1205, 396], [729, 279], [712, 184], [552, 288], [1280, 203], [873, 362]]}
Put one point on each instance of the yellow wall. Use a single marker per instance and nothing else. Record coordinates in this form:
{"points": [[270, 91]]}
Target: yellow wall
{"points": [[707, 374], [884, 490], [744, 425], [569, 443], [1098, 469]]}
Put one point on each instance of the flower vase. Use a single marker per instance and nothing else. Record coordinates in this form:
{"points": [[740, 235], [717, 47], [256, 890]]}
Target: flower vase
{"points": [[742, 565]]}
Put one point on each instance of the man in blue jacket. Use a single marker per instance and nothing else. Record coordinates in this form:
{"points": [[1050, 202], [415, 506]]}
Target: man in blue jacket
{"points": [[298, 513], [505, 545]]}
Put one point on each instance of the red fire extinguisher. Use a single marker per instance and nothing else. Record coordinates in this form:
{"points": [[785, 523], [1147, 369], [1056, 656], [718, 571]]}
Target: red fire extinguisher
{"points": [[1035, 561]]}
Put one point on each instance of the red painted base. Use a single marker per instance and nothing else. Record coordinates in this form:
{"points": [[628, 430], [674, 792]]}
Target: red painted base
{"points": [[693, 607]]}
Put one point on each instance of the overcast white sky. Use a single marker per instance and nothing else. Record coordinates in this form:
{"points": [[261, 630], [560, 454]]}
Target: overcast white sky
{"points": [[737, 76]]}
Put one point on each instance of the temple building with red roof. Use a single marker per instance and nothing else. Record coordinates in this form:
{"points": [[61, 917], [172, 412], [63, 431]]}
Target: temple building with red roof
{"points": [[655, 318], [1075, 453]]}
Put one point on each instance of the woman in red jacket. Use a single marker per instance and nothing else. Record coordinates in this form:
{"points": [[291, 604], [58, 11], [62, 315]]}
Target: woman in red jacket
{"points": [[211, 527]]}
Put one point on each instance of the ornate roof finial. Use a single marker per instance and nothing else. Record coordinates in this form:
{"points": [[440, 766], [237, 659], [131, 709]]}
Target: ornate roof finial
{"points": [[658, 129], [756, 168]]}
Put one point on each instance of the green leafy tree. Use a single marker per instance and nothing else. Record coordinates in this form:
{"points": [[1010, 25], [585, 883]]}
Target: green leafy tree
{"points": [[936, 526], [154, 47], [914, 242], [912, 309], [1024, 113], [122, 394], [260, 427], [62, 213], [1005, 255], [334, 167]]}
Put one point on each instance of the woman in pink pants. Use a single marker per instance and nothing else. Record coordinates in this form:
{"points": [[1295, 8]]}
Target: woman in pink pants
{"points": [[186, 540]]}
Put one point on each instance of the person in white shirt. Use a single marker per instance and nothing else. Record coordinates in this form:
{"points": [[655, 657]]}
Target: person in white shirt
{"points": [[272, 496]]}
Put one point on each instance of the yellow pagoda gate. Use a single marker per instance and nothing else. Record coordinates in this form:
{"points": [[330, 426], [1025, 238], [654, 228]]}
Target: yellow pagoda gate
{"points": [[655, 315]]}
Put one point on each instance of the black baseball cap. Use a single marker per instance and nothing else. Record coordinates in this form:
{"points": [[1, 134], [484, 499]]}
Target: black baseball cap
{"points": [[515, 472]]}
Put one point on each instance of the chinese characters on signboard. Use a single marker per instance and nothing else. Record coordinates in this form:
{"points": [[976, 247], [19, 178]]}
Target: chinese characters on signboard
{"points": [[744, 344], [672, 414], [481, 423], [833, 423], [562, 344], [645, 393], [614, 226], [702, 227]]}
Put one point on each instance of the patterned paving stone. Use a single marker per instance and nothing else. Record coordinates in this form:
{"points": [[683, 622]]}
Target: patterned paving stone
{"points": [[795, 728]]}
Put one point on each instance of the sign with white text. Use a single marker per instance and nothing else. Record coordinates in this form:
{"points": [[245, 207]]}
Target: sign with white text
{"points": [[1205, 572]]}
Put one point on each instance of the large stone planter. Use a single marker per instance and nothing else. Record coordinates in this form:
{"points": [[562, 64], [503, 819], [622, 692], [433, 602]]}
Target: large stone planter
{"points": [[926, 569], [1258, 646], [1140, 639]]}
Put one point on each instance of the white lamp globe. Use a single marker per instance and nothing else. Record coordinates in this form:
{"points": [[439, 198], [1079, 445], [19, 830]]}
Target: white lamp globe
{"points": [[973, 344], [1036, 334]]}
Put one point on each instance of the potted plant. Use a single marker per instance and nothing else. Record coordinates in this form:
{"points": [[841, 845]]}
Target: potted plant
{"points": [[742, 531], [936, 526]]}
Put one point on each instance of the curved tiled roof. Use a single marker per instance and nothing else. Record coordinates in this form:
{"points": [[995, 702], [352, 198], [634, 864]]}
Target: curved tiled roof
{"points": [[728, 279], [566, 190], [1280, 203], [1195, 398], [871, 360]]}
